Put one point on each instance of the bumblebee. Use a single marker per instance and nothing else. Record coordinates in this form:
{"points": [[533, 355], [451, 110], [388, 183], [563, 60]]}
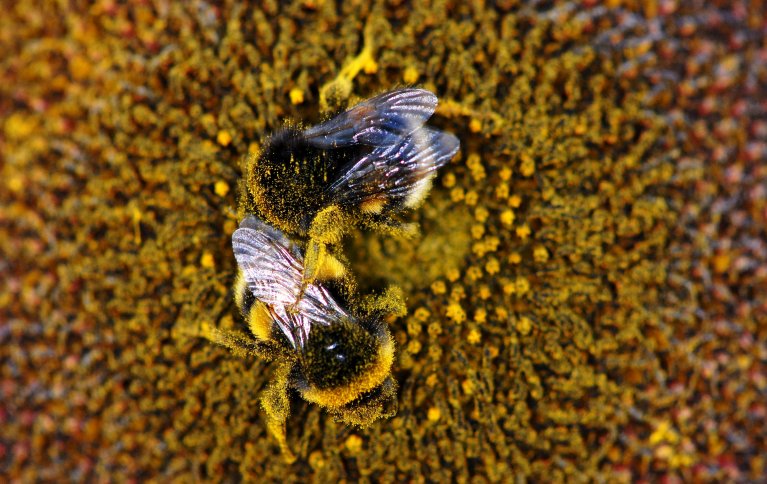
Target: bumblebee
{"points": [[362, 167], [335, 357]]}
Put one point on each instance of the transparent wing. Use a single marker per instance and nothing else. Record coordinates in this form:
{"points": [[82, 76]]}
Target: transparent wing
{"points": [[318, 305], [273, 272], [273, 269], [379, 121], [396, 171], [315, 306]]}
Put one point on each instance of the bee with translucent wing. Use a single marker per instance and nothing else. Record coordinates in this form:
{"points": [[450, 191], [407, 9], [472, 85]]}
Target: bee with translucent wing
{"points": [[333, 356], [362, 167]]}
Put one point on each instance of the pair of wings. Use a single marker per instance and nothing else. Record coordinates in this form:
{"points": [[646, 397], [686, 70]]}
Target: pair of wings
{"points": [[404, 152], [273, 269]]}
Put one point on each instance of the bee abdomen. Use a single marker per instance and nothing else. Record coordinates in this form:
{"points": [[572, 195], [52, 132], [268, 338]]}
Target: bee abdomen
{"points": [[336, 354], [255, 313], [243, 297]]}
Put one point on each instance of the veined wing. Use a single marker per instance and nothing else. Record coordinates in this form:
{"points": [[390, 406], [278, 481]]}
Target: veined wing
{"points": [[273, 269], [379, 121], [396, 171]]}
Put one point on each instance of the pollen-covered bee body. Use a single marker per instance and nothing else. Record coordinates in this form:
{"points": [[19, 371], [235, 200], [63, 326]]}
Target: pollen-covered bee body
{"points": [[335, 357], [286, 180], [297, 298], [370, 162]]}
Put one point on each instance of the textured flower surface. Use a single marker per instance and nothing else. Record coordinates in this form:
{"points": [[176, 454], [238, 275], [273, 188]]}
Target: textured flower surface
{"points": [[586, 298]]}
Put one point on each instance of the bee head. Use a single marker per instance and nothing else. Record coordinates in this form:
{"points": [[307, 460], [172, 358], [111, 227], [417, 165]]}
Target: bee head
{"points": [[346, 364]]}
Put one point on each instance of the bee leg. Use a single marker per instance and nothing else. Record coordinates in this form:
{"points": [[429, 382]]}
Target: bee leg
{"points": [[241, 345], [392, 227], [320, 264], [391, 302], [327, 229], [277, 407], [339, 89]]}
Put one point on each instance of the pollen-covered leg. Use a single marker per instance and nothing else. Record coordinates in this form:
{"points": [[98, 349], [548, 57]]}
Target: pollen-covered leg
{"points": [[373, 405], [391, 302], [277, 407], [339, 89], [392, 227], [320, 264], [240, 344], [328, 225], [326, 230]]}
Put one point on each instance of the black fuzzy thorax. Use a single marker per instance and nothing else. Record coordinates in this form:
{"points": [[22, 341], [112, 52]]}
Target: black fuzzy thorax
{"points": [[293, 176]]}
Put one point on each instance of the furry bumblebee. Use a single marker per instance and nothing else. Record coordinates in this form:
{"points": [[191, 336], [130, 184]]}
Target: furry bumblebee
{"points": [[333, 356], [362, 167], [298, 302]]}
